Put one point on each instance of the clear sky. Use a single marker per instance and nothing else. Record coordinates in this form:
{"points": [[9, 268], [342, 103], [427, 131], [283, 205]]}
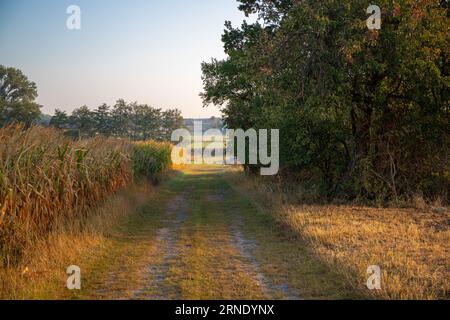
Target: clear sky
{"points": [[140, 50]]}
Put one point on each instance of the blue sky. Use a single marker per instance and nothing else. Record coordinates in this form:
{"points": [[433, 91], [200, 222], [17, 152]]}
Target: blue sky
{"points": [[140, 50]]}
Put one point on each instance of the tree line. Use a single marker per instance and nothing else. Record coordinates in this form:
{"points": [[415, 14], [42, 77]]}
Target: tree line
{"points": [[17, 97], [124, 120], [362, 113]]}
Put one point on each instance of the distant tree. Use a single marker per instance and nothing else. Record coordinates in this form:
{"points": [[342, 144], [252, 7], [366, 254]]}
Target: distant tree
{"points": [[122, 118], [17, 96], [103, 120], [60, 120], [83, 121], [170, 121], [147, 121]]}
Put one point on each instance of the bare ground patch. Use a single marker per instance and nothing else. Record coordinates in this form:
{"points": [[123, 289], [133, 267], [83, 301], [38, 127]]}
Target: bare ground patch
{"points": [[155, 286]]}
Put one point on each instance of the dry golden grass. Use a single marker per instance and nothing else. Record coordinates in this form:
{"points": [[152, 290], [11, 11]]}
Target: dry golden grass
{"points": [[47, 179], [52, 193], [41, 273], [411, 246]]}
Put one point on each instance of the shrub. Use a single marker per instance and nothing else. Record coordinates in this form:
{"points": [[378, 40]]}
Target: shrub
{"points": [[150, 158]]}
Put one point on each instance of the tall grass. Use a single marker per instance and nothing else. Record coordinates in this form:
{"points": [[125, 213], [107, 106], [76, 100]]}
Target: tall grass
{"points": [[47, 180], [411, 246], [151, 158]]}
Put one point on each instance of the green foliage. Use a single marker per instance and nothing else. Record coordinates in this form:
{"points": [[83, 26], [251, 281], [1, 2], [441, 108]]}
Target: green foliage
{"points": [[367, 109], [151, 158], [60, 120], [123, 120], [17, 95]]}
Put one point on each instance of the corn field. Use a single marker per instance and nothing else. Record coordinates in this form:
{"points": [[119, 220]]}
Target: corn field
{"points": [[150, 158], [47, 179]]}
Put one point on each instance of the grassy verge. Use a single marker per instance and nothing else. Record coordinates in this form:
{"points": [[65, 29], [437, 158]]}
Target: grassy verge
{"points": [[42, 271], [411, 246]]}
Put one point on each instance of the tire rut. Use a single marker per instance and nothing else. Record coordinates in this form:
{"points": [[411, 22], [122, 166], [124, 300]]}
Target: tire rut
{"points": [[155, 286], [246, 248]]}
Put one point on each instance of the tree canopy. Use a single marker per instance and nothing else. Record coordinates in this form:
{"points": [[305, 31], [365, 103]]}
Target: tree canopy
{"points": [[363, 112], [123, 120], [17, 97]]}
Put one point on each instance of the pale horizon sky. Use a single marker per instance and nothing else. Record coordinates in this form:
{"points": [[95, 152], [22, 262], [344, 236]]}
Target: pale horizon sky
{"points": [[147, 51]]}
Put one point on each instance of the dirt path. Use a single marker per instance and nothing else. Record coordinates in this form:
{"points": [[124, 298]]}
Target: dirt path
{"points": [[200, 239]]}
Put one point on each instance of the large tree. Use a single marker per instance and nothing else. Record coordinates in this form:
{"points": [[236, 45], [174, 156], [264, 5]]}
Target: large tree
{"points": [[17, 97], [366, 110]]}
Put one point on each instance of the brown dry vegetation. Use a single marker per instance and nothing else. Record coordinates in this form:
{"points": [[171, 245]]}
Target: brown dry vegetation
{"points": [[47, 179], [50, 183], [41, 272], [412, 246]]}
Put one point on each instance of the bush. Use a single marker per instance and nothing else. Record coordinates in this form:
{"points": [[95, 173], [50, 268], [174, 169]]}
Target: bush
{"points": [[368, 110], [150, 158]]}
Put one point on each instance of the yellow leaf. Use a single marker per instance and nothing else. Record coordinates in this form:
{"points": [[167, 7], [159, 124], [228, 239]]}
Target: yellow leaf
{"points": [[25, 271]]}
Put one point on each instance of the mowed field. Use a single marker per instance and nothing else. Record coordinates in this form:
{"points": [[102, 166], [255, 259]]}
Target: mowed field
{"points": [[206, 233]]}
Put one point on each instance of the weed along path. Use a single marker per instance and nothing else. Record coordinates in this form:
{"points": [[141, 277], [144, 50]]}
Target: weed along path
{"points": [[198, 238]]}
